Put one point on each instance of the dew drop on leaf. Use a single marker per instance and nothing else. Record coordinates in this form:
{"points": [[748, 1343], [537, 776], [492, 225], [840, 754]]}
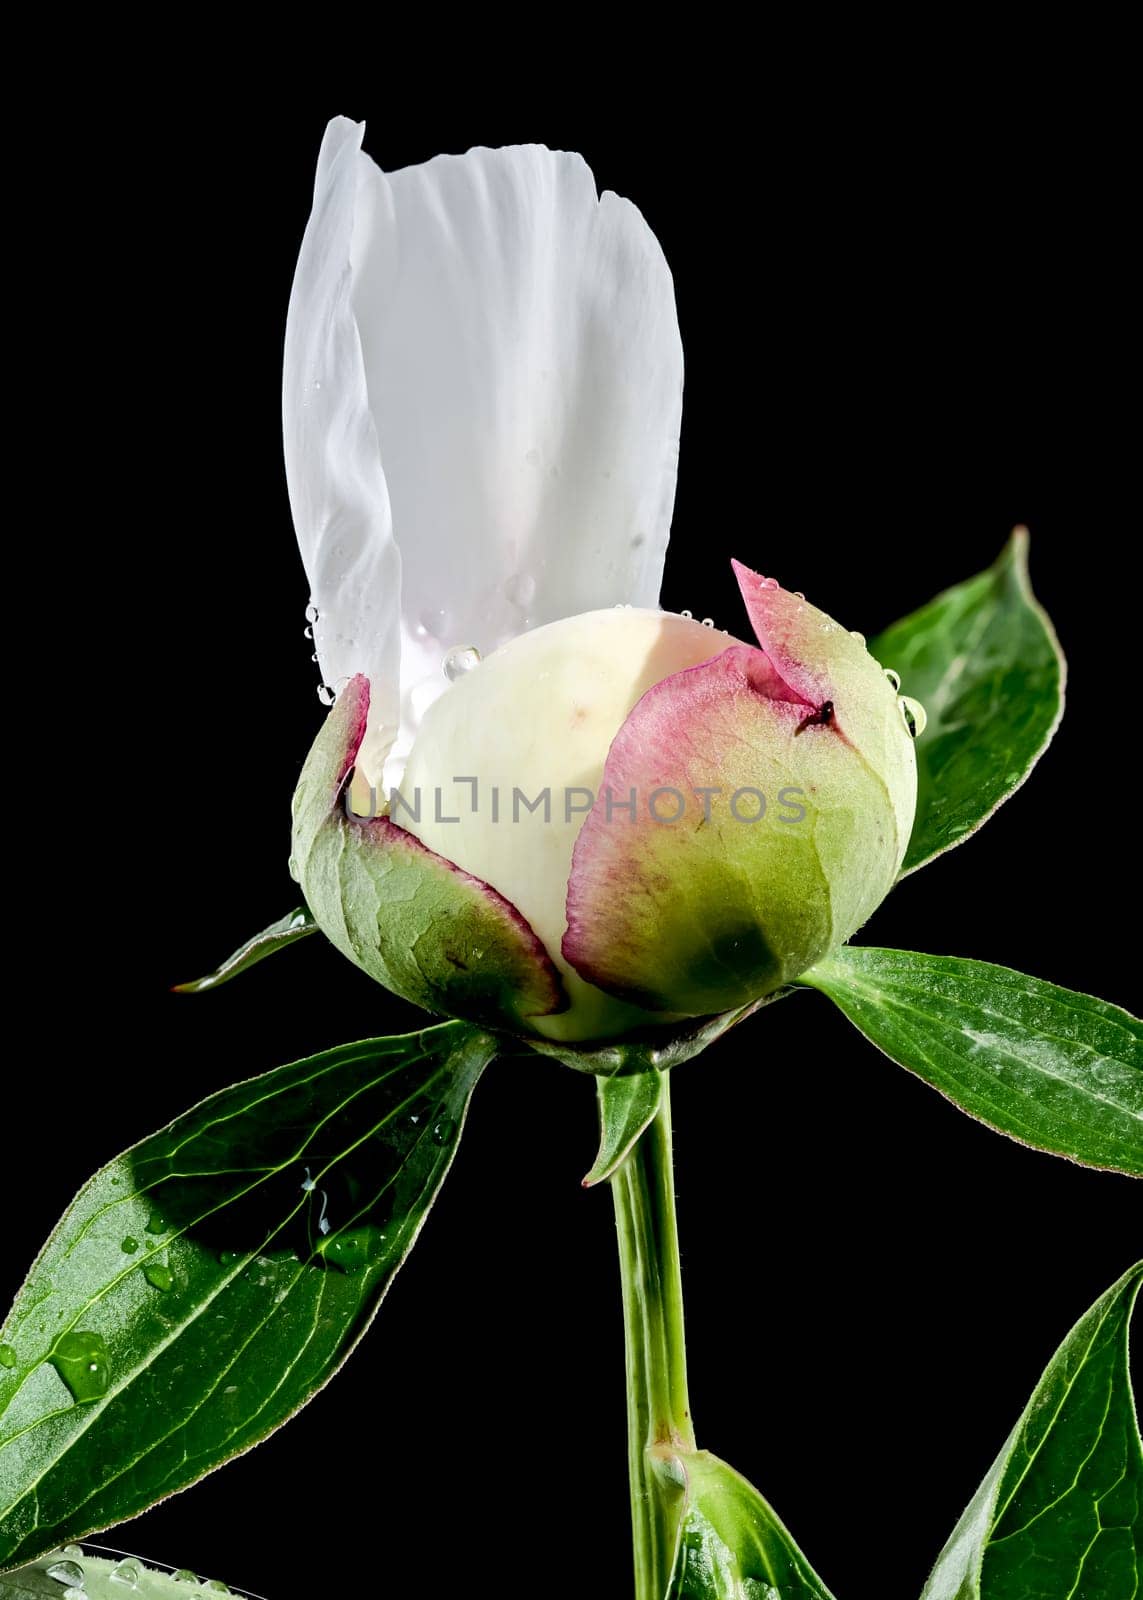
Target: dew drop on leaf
{"points": [[894, 677], [311, 612], [443, 1130], [353, 1249], [129, 1246], [127, 1574], [69, 1572], [7, 1356], [325, 694], [82, 1361], [158, 1275]]}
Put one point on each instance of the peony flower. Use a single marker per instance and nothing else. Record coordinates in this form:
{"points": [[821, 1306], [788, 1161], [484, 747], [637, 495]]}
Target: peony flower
{"points": [[539, 801]]}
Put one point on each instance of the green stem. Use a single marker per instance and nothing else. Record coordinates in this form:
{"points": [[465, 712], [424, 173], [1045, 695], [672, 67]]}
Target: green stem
{"points": [[658, 1410]]}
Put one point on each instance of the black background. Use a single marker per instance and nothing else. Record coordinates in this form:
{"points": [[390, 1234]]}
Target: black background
{"points": [[904, 326]]}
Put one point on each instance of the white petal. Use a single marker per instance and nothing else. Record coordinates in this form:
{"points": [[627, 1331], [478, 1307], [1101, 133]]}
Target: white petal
{"points": [[525, 372], [333, 467]]}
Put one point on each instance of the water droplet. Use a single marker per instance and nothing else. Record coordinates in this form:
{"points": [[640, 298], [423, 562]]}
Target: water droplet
{"points": [[459, 660], [185, 1575], [159, 1275], [798, 595], [894, 677], [129, 1246], [860, 637], [311, 612], [769, 583], [353, 1249], [127, 1573], [215, 1586], [313, 655], [308, 631], [708, 622], [227, 1258], [155, 1223], [72, 1550], [914, 714], [66, 1572], [443, 1130], [83, 1362], [688, 614], [433, 624], [521, 590], [7, 1356], [326, 695], [75, 1594]]}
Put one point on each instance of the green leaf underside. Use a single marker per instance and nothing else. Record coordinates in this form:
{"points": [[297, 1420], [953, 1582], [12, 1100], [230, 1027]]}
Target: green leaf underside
{"points": [[983, 660], [287, 930], [731, 1544], [218, 1274], [1060, 1515], [106, 1578], [1057, 1070], [627, 1103]]}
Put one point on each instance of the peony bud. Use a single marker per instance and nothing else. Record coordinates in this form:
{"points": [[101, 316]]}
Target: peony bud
{"points": [[618, 817]]}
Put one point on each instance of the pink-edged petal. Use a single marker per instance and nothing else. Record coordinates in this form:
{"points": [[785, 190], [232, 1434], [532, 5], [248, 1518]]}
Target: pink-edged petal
{"points": [[712, 909], [432, 933], [830, 667]]}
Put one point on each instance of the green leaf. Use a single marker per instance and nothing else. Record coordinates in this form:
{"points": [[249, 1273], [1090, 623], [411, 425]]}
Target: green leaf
{"points": [[1061, 1513], [1057, 1070], [627, 1103], [984, 661], [287, 930], [204, 1285], [106, 1578], [731, 1544]]}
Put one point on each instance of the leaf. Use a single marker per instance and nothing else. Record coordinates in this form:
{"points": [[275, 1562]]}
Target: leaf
{"points": [[731, 1544], [287, 930], [106, 1577], [1057, 1070], [1061, 1513], [627, 1104], [984, 661], [204, 1285]]}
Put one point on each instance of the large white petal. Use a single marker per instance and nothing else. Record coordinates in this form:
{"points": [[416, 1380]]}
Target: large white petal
{"points": [[525, 372], [333, 466]]}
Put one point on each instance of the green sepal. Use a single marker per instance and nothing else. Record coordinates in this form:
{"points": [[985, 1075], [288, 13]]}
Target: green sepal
{"points": [[412, 920], [627, 1103], [287, 930], [731, 1544], [653, 1049]]}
